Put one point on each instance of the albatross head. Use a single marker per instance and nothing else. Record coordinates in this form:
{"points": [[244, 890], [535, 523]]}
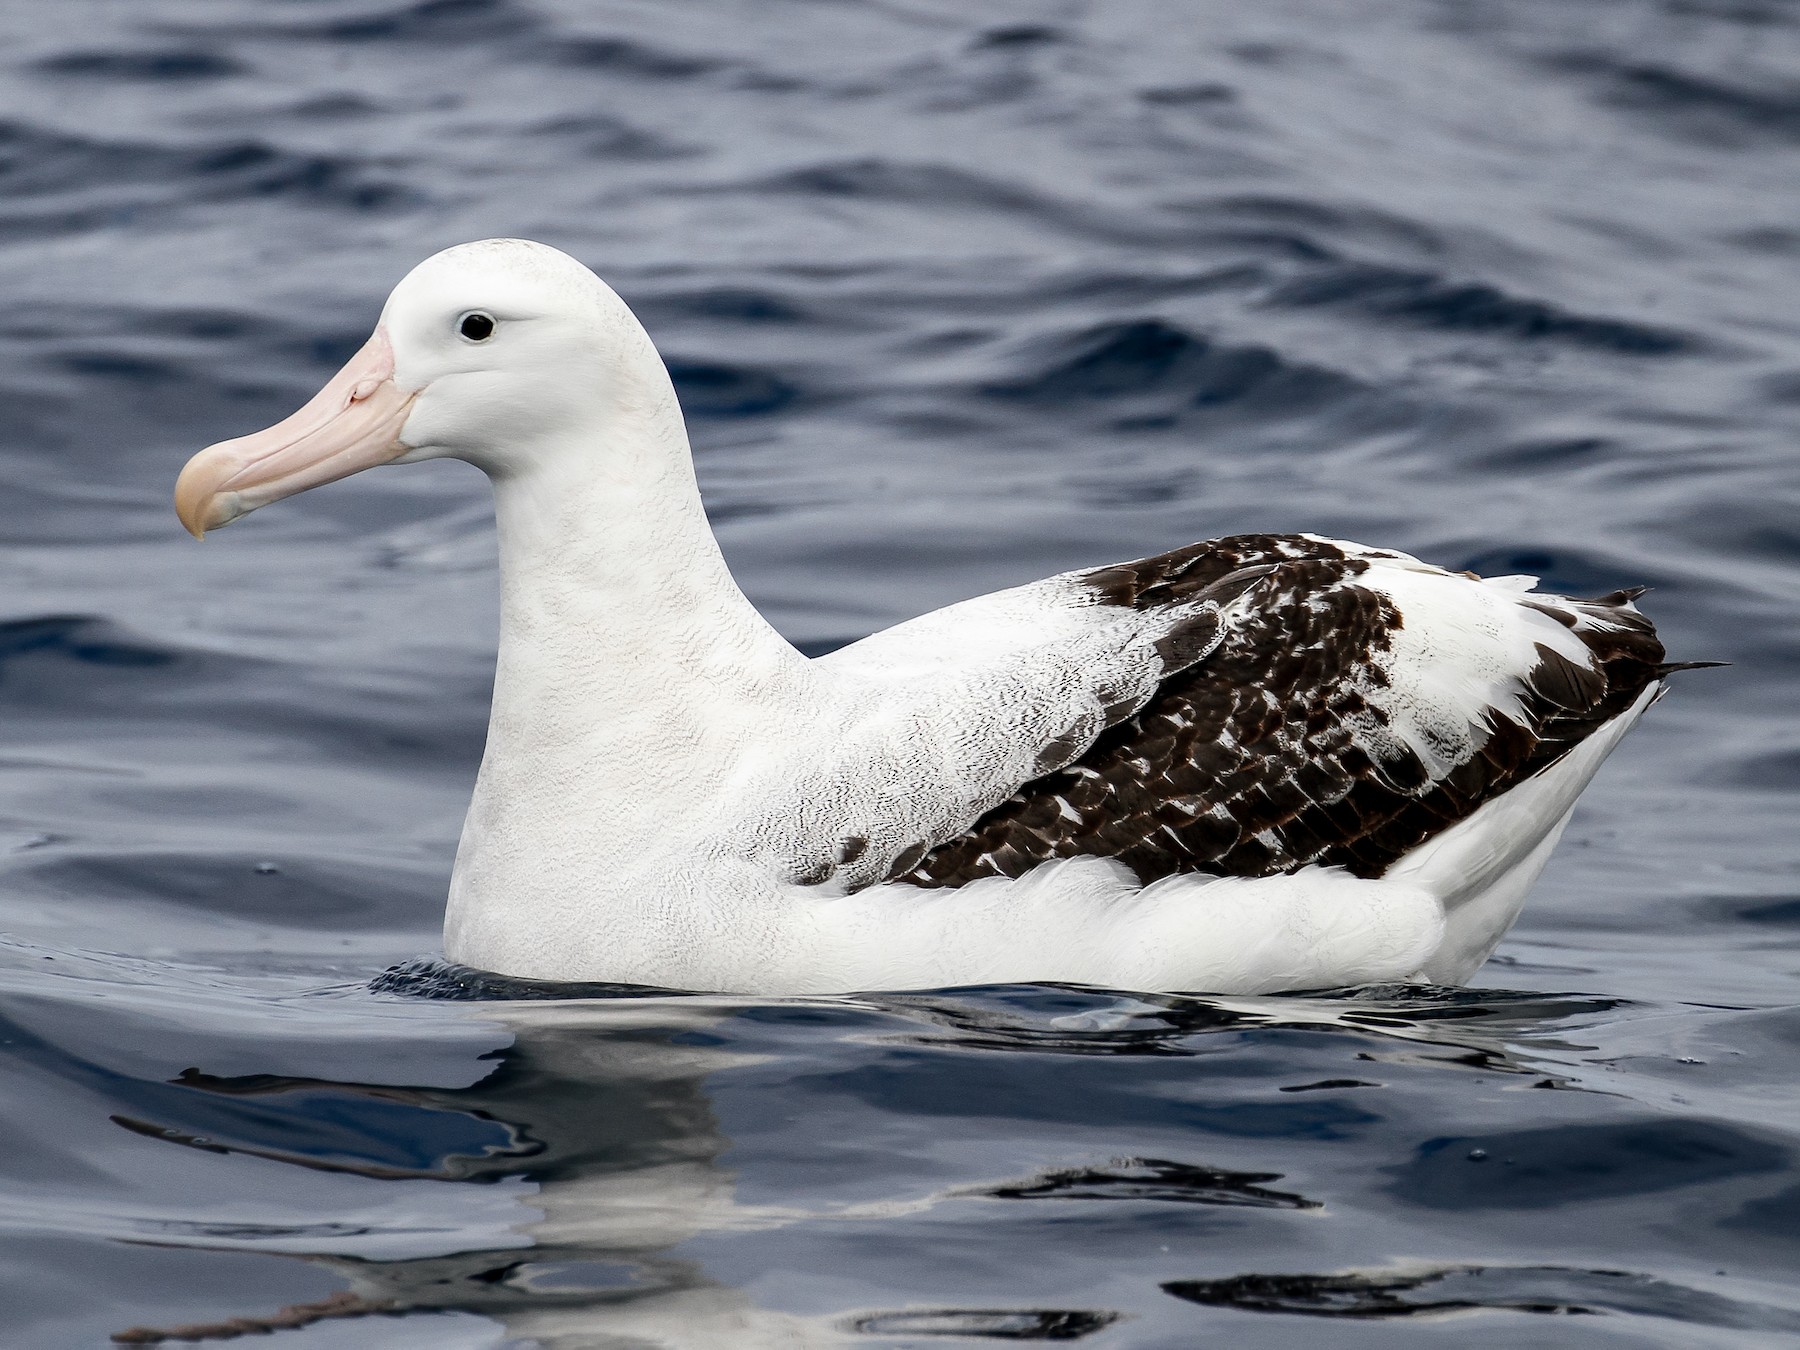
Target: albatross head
{"points": [[493, 352]]}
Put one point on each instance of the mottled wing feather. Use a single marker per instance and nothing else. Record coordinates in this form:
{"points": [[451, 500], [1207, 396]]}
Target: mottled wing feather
{"points": [[1270, 754]]}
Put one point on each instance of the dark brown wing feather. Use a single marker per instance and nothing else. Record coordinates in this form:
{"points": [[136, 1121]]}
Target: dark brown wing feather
{"points": [[1249, 763]]}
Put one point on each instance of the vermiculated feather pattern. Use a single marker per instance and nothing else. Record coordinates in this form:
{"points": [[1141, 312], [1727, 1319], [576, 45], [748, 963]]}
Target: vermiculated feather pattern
{"points": [[1282, 748]]}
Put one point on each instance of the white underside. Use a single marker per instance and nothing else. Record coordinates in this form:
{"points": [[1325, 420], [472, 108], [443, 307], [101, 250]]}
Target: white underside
{"points": [[1436, 915]]}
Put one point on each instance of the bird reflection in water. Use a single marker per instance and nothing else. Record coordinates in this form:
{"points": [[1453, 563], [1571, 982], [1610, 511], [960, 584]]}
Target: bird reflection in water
{"points": [[603, 1103]]}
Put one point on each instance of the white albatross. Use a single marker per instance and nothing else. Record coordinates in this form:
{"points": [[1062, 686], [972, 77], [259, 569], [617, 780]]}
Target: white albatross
{"points": [[1262, 763]]}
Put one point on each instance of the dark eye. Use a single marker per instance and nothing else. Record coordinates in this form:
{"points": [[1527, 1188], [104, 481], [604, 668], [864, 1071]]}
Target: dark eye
{"points": [[476, 326]]}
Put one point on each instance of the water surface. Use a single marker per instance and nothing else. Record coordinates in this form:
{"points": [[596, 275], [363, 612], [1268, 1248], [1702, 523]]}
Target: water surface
{"points": [[955, 297]]}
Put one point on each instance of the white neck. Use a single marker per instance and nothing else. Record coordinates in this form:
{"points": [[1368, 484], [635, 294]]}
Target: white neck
{"points": [[610, 574], [632, 674]]}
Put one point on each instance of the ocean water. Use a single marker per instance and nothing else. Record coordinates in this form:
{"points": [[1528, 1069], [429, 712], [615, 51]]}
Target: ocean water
{"points": [[956, 296]]}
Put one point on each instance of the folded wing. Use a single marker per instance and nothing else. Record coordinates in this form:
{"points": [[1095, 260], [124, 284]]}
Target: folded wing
{"points": [[1352, 704]]}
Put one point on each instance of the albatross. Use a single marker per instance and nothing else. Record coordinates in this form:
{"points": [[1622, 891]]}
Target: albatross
{"points": [[1256, 764]]}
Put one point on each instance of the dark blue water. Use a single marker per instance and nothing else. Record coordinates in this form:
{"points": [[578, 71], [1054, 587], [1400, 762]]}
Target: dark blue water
{"points": [[953, 302]]}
